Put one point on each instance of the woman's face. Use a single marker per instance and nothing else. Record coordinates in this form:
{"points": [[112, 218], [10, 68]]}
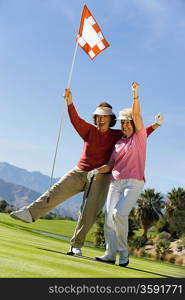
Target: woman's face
{"points": [[127, 127], [103, 122]]}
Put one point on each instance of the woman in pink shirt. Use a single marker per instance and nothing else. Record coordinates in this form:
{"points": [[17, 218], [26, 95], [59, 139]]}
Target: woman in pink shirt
{"points": [[99, 140], [127, 164]]}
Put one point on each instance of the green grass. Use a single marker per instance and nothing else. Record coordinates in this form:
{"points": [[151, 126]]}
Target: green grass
{"points": [[25, 253], [152, 233], [61, 227]]}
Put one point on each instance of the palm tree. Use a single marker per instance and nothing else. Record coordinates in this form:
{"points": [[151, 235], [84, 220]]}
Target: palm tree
{"points": [[149, 209], [175, 211], [177, 198]]}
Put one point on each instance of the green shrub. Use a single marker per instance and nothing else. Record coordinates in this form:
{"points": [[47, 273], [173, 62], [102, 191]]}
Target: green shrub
{"points": [[137, 242], [162, 248], [178, 224], [164, 236], [162, 225], [181, 243], [99, 240]]}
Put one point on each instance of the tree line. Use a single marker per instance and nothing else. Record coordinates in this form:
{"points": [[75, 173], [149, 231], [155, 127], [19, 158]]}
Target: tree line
{"points": [[165, 214]]}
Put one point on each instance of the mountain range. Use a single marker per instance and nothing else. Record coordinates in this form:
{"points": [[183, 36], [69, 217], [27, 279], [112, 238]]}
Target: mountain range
{"points": [[33, 180], [16, 195], [20, 187]]}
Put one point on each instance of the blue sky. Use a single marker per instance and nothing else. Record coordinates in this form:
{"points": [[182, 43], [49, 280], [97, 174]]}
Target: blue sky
{"points": [[37, 41]]}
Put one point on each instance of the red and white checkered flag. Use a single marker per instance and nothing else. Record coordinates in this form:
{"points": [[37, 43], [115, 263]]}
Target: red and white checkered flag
{"points": [[90, 37]]}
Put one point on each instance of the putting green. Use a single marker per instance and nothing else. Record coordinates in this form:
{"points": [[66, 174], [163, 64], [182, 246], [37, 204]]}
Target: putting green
{"points": [[25, 253]]}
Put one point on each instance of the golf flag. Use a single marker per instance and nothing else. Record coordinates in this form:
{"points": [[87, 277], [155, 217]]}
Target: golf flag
{"points": [[90, 37]]}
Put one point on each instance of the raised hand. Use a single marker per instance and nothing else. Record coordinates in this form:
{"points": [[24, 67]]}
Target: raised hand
{"points": [[159, 119], [135, 87], [68, 96]]}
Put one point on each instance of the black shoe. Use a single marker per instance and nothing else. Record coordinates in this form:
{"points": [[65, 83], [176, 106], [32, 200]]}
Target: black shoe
{"points": [[70, 252], [125, 264], [74, 251], [105, 261]]}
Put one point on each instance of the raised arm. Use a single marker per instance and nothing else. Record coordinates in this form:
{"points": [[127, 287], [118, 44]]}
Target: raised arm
{"points": [[81, 126], [138, 122], [159, 119]]}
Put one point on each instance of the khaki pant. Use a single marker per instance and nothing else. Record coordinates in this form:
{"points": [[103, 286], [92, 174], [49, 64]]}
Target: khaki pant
{"points": [[74, 182], [91, 206]]}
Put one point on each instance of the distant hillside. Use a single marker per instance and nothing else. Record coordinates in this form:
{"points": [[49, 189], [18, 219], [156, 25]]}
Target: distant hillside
{"points": [[16, 195], [19, 196], [33, 180], [20, 187]]}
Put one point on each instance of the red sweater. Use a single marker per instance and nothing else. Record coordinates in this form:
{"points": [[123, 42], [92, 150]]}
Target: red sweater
{"points": [[98, 146]]}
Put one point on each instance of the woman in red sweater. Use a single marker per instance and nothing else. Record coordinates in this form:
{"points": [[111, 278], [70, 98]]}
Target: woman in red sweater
{"points": [[99, 141]]}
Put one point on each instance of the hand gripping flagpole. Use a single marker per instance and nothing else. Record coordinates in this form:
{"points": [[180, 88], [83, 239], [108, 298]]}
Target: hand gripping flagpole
{"points": [[62, 116]]}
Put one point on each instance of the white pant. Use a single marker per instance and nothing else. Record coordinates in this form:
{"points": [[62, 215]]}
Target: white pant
{"points": [[121, 198]]}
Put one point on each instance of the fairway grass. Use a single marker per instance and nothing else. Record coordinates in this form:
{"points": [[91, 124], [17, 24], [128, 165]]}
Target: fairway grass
{"points": [[25, 253]]}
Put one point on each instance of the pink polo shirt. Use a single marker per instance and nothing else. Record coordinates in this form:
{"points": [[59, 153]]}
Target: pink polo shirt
{"points": [[128, 157]]}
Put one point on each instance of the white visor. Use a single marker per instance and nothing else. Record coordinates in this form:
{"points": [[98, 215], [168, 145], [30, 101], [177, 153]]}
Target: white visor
{"points": [[104, 111], [124, 116]]}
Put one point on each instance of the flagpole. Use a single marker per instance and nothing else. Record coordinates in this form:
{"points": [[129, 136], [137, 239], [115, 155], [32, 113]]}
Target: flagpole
{"points": [[56, 150], [72, 65], [62, 115]]}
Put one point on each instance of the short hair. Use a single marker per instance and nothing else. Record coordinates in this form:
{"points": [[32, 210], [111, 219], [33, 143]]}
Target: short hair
{"points": [[113, 117]]}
